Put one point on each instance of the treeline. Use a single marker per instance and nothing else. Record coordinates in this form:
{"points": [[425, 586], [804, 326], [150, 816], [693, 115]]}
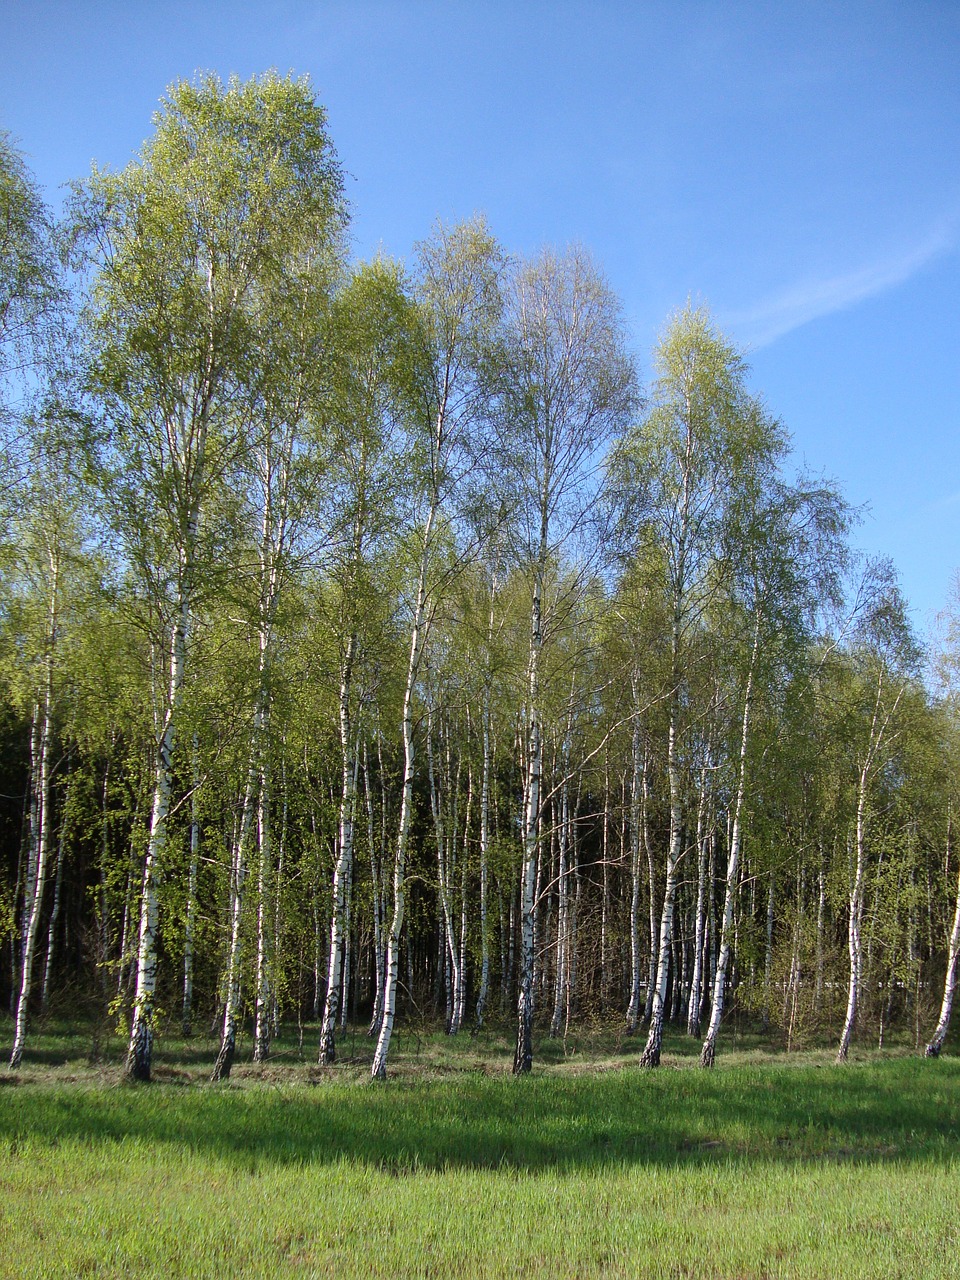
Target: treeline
{"points": [[375, 645]]}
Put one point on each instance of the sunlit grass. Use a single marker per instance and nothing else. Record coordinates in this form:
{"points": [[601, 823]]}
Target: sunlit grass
{"points": [[767, 1166]]}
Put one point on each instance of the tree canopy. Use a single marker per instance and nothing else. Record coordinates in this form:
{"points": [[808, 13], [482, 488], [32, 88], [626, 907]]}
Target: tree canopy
{"points": [[375, 645]]}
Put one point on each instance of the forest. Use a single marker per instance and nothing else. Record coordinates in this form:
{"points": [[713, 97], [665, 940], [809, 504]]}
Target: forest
{"points": [[385, 641]]}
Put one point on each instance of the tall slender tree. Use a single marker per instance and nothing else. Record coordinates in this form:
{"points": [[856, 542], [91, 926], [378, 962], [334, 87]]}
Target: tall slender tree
{"points": [[375, 341], [678, 474], [570, 387], [237, 182], [457, 285]]}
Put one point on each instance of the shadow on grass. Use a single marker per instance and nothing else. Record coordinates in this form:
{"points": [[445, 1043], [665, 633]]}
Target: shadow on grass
{"points": [[903, 1110]]}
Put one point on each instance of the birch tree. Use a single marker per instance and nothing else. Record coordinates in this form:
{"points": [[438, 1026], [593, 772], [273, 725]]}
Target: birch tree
{"points": [[946, 671], [375, 332], [45, 532], [235, 183], [570, 388], [457, 287], [882, 654], [279, 478], [936, 1042], [786, 545], [32, 303], [48, 538], [677, 474]]}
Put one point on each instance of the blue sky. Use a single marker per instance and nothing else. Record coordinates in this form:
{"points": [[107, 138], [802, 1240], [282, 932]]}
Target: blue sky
{"points": [[794, 166]]}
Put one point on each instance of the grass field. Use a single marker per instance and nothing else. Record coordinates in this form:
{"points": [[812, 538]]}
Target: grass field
{"points": [[768, 1166]]}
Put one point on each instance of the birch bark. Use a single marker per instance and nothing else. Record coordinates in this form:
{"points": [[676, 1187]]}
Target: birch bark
{"points": [[569, 386], [879, 724], [636, 844], [696, 978], [344, 864], [458, 289], [936, 1041], [43, 819], [708, 1052], [186, 1019], [422, 618]]}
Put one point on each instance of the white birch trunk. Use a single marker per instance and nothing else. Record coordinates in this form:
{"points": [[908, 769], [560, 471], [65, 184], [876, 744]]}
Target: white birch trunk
{"points": [[36, 879], [523, 1055], [651, 1052], [231, 1011], [55, 909], [418, 638], [344, 863], [854, 921], [140, 1049], [708, 1052], [857, 883], [278, 886], [484, 986], [34, 825], [699, 930], [653, 923], [573, 963], [768, 954], [563, 912], [262, 1022], [347, 931], [191, 917], [377, 852], [605, 889], [636, 961], [445, 833], [460, 998], [821, 925], [936, 1041]]}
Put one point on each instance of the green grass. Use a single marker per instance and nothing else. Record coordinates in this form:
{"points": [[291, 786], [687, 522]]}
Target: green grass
{"points": [[765, 1167]]}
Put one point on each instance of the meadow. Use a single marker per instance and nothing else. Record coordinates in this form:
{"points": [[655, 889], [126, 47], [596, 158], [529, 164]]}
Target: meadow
{"points": [[771, 1165]]}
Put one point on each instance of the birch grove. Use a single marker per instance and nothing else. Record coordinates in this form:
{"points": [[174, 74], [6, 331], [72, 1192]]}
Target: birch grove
{"points": [[379, 653]]}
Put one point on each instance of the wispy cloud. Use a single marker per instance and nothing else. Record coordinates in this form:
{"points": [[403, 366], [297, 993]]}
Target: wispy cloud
{"points": [[944, 503], [770, 319]]}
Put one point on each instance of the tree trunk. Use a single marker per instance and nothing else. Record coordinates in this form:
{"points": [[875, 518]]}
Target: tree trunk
{"points": [[768, 954], [190, 923], [854, 944], [344, 864], [633, 1008], [264, 998], [418, 639], [878, 728], [44, 819], [605, 899], [140, 1048], [949, 984], [484, 986], [55, 909], [821, 924], [651, 1052], [377, 853], [709, 1050], [443, 806], [460, 1006], [523, 1054], [854, 941], [231, 1011], [699, 928], [654, 956], [563, 907]]}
